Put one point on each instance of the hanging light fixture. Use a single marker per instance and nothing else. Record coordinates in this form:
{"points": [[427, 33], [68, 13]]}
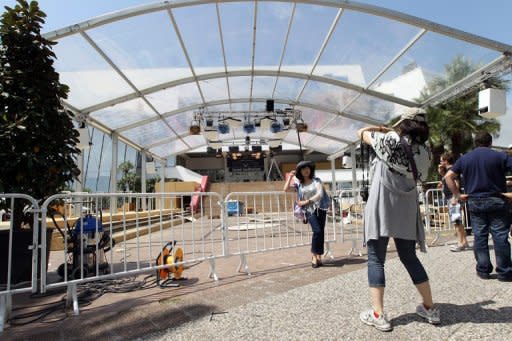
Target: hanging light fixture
{"points": [[275, 127], [301, 126], [223, 128], [195, 128], [249, 127]]}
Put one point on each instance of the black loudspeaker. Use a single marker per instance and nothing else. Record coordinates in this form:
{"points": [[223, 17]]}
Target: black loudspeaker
{"points": [[233, 149], [270, 105]]}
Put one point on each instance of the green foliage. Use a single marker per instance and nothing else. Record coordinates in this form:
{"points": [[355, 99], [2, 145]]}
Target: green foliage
{"points": [[453, 124], [128, 178], [37, 137]]}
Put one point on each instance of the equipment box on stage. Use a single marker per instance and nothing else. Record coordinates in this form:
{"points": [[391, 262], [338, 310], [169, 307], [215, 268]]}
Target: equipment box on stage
{"points": [[235, 207]]}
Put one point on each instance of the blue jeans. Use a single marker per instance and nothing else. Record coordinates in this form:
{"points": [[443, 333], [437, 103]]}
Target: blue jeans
{"points": [[491, 215], [406, 251], [317, 222]]}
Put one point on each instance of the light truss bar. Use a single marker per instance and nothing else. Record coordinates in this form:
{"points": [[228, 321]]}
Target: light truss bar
{"points": [[496, 68]]}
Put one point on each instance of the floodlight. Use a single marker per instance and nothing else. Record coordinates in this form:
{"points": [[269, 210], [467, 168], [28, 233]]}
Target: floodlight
{"points": [[223, 128], [249, 127], [275, 127]]}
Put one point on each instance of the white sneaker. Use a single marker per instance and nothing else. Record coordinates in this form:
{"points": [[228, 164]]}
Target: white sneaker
{"points": [[459, 248], [432, 315], [381, 323]]}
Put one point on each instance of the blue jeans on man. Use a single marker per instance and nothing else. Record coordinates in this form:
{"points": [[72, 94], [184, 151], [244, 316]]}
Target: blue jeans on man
{"points": [[490, 214]]}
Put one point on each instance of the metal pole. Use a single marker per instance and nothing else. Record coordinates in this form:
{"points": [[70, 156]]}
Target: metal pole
{"points": [[113, 173]]}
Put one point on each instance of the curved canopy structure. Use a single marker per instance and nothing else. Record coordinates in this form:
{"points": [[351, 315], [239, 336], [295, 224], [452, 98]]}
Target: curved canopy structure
{"points": [[146, 73]]}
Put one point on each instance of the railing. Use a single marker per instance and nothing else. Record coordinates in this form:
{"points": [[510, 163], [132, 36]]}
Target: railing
{"points": [[22, 242], [263, 221], [351, 210], [86, 237], [88, 241]]}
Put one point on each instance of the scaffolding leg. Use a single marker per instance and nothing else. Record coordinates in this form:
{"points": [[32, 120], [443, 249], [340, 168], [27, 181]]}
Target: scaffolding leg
{"points": [[328, 252], [72, 298], [213, 273], [354, 249], [5, 310], [243, 265]]}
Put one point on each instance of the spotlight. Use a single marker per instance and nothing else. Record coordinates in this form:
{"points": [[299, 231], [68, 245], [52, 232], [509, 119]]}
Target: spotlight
{"points": [[194, 129], [223, 128], [249, 128], [286, 121], [209, 122], [301, 126], [275, 127]]}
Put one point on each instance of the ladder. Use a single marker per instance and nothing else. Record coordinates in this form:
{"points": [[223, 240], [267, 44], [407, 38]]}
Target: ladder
{"points": [[274, 173]]}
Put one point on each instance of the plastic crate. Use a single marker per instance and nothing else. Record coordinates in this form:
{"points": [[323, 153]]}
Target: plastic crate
{"points": [[235, 207]]}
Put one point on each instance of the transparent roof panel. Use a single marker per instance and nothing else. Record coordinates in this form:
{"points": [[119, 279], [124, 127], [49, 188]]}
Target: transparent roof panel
{"points": [[149, 133], [272, 25], [123, 114], [288, 88], [311, 24], [343, 127], [316, 119], [262, 87], [176, 97], [324, 145], [214, 89], [329, 96], [239, 87], [169, 148], [87, 74], [195, 141], [237, 20], [361, 46], [180, 123], [425, 62], [375, 108], [198, 26], [283, 41], [131, 49]]}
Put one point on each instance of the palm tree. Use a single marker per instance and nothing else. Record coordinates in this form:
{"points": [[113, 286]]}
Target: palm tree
{"points": [[453, 124]]}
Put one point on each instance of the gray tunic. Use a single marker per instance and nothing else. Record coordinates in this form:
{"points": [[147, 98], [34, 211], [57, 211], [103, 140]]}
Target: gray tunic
{"points": [[392, 209]]}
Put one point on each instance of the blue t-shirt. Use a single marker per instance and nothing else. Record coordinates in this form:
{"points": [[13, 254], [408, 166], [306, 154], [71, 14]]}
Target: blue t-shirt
{"points": [[484, 171]]}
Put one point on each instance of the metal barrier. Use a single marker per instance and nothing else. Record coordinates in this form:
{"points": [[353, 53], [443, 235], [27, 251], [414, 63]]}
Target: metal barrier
{"points": [[436, 215], [263, 221], [97, 236], [351, 208], [18, 244], [87, 251]]}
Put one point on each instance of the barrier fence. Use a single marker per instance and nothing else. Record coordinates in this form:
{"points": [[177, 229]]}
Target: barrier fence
{"points": [[437, 220], [351, 208], [20, 234], [263, 221], [86, 237]]}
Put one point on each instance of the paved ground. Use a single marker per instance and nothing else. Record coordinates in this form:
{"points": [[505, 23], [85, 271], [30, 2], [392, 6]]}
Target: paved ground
{"points": [[285, 299]]}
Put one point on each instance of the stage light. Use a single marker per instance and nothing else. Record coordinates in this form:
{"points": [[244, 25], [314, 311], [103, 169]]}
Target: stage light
{"points": [[249, 128], [275, 127], [223, 128], [194, 129], [286, 121], [301, 126]]}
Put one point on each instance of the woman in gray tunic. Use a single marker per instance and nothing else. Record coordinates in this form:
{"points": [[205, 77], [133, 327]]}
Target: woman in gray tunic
{"points": [[392, 210]]}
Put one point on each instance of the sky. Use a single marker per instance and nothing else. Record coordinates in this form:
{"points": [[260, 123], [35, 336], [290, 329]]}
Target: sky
{"points": [[490, 19]]}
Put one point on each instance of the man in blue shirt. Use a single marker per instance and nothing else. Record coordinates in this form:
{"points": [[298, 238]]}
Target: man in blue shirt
{"points": [[484, 172]]}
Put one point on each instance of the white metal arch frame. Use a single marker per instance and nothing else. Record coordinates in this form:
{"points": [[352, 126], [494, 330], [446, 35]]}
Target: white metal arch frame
{"points": [[500, 65]]}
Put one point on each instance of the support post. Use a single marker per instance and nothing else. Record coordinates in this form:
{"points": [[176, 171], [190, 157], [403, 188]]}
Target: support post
{"points": [[113, 173]]}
